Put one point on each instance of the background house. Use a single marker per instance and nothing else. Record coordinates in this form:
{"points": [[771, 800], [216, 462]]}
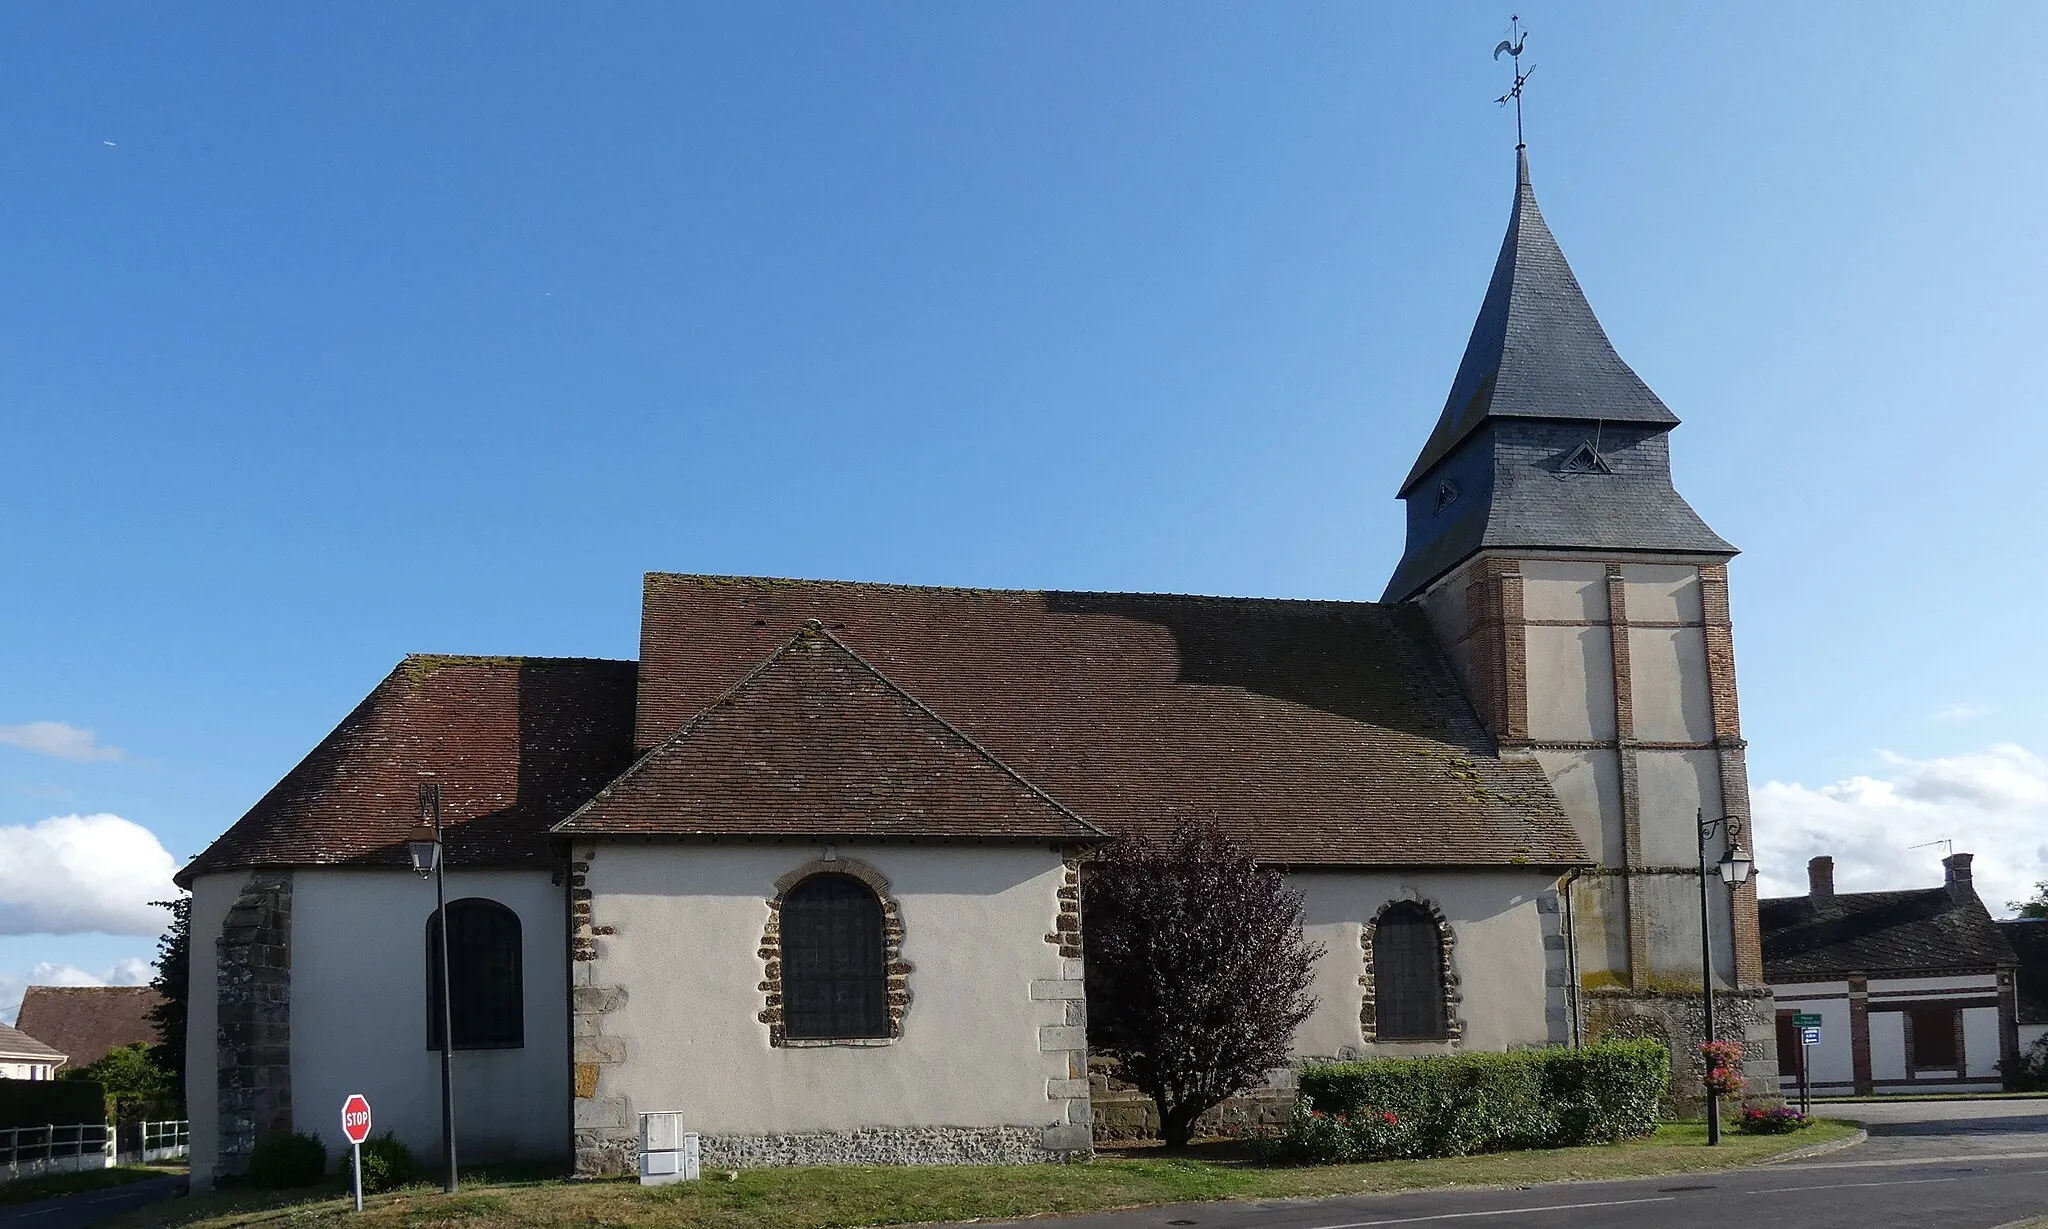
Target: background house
{"points": [[2029, 940], [22, 1057], [1915, 989], [87, 1021]]}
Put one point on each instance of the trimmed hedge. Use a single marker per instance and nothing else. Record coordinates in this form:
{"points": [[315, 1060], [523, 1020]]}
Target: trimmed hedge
{"points": [[1465, 1103]]}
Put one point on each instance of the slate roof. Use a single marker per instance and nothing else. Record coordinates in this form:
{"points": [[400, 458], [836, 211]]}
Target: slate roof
{"points": [[815, 741], [20, 1047], [1536, 350], [1920, 930], [516, 743], [2029, 940], [1540, 390], [87, 1021], [1320, 733]]}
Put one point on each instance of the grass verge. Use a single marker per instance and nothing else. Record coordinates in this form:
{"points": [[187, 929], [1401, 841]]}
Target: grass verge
{"points": [[888, 1195], [49, 1186]]}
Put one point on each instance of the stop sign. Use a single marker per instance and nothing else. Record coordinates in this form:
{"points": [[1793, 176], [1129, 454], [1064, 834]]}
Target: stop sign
{"points": [[355, 1118]]}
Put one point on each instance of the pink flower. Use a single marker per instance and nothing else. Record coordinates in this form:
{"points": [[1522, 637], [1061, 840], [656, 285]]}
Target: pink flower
{"points": [[1391, 1117]]}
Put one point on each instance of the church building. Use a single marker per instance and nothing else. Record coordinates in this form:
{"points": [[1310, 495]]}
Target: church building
{"points": [[807, 871]]}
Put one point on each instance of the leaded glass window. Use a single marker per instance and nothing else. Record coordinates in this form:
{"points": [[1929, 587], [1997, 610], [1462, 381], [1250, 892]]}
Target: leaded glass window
{"points": [[835, 972], [1408, 975], [485, 989]]}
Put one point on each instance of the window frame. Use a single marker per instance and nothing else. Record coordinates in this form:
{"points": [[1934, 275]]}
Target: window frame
{"points": [[471, 992]]}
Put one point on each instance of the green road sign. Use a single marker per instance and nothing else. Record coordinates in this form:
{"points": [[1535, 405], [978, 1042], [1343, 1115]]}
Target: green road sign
{"points": [[1805, 1020]]}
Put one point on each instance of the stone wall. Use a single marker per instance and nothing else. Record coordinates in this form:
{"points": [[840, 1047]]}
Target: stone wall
{"points": [[885, 1146], [1679, 1021], [253, 988]]}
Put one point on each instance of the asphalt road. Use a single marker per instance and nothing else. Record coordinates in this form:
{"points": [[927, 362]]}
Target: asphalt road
{"points": [[88, 1207], [1969, 1165]]}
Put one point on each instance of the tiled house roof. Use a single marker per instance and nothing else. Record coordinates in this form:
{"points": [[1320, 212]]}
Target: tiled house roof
{"points": [[18, 1046], [1917, 931], [1320, 733], [515, 743], [87, 1021], [815, 741], [2029, 940]]}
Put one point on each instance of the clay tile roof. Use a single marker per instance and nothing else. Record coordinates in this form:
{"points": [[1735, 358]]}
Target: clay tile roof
{"points": [[1319, 733], [19, 1046], [1918, 930], [816, 741], [516, 744], [87, 1021]]}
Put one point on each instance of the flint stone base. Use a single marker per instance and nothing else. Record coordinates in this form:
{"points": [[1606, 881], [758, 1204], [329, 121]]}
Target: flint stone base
{"points": [[893, 1146]]}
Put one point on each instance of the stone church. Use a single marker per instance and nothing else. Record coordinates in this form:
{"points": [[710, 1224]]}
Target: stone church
{"points": [[806, 871]]}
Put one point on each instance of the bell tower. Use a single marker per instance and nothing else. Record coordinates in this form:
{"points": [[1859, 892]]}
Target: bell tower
{"points": [[1584, 605]]}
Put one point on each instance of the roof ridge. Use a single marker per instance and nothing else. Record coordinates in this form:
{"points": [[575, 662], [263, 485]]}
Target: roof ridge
{"points": [[513, 659], [981, 591]]}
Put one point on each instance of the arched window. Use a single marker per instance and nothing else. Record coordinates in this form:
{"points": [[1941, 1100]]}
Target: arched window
{"points": [[1408, 975], [485, 988], [835, 974]]}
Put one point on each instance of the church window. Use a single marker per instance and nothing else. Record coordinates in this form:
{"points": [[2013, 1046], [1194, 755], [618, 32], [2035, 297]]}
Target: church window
{"points": [[835, 981], [1408, 975], [485, 988], [1585, 459]]}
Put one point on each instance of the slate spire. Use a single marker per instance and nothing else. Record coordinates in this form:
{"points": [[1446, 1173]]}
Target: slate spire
{"points": [[1548, 439]]}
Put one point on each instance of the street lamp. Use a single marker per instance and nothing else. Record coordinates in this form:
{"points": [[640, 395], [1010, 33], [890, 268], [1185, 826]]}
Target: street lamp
{"points": [[1735, 866], [427, 859]]}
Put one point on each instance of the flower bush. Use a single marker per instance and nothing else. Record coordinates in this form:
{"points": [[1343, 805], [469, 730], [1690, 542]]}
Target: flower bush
{"points": [[1316, 1138], [1780, 1120], [1723, 1067]]}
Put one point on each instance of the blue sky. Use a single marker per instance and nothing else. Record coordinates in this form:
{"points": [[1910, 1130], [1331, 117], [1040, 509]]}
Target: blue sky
{"points": [[329, 333]]}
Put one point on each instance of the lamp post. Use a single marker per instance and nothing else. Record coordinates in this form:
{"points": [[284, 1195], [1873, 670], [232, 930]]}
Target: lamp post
{"points": [[1735, 865], [427, 858]]}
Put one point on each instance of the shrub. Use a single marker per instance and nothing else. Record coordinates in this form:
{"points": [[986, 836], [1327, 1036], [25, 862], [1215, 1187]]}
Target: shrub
{"points": [[387, 1164], [1781, 1120], [279, 1160], [1465, 1103], [1314, 1137], [2030, 1074]]}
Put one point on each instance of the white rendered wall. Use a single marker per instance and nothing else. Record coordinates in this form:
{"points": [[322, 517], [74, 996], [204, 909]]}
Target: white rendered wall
{"points": [[1499, 956], [1833, 1058], [26, 1071], [359, 1018], [687, 924], [212, 895], [2030, 1034]]}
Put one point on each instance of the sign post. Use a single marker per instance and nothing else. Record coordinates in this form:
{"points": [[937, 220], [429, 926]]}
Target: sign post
{"points": [[355, 1124], [1808, 1024]]}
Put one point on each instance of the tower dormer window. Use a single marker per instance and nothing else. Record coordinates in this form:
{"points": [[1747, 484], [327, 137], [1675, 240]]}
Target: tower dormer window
{"points": [[1446, 495], [1585, 459]]}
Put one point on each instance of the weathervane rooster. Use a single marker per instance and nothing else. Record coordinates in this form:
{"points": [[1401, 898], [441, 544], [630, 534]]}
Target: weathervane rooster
{"points": [[1513, 46]]}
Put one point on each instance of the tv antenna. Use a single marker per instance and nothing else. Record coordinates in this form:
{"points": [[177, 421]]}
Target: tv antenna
{"points": [[1947, 846], [1513, 46]]}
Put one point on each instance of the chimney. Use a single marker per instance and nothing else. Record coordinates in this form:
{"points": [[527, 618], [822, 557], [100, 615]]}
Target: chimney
{"points": [[1958, 867], [1820, 877]]}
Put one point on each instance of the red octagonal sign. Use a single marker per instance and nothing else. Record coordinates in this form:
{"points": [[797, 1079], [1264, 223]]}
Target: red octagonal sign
{"points": [[355, 1118]]}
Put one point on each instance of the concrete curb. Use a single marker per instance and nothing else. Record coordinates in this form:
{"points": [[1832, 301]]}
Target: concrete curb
{"points": [[1833, 1145]]}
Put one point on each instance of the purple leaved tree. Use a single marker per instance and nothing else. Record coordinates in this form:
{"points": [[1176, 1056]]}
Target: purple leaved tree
{"points": [[1197, 969]]}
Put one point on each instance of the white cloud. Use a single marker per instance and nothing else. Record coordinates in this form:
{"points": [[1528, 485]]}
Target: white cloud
{"points": [[132, 971], [1960, 712], [78, 874], [1993, 803], [55, 738]]}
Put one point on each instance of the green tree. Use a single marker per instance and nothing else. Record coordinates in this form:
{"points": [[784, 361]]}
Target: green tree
{"points": [[2036, 905], [134, 1084], [173, 981]]}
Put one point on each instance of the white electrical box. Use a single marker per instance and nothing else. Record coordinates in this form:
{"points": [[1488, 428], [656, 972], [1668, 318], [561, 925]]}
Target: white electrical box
{"points": [[667, 1152]]}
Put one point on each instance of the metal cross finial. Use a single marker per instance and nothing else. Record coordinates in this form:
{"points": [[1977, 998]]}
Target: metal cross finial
{"points": [[1513, 46]]}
